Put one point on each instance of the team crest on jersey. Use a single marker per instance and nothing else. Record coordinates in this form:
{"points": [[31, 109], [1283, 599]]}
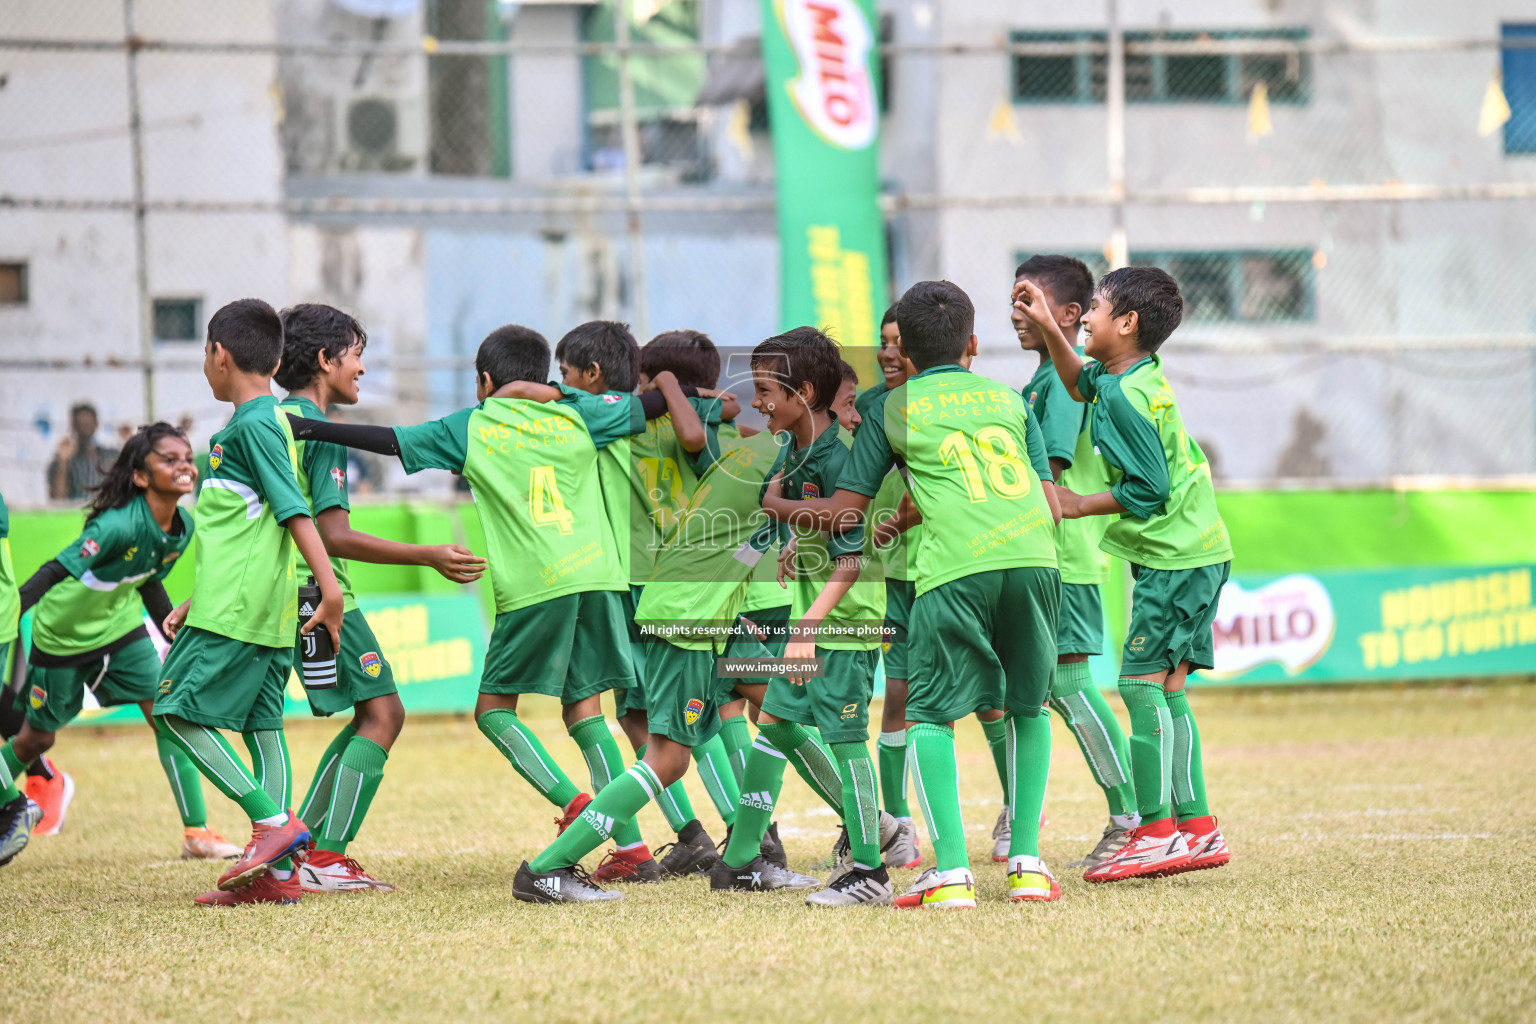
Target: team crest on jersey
{"points": [[693, 710], [340, 476], [372, 663], [810, 490], [89, 548], [612, 399], [38, 698], [1032, 395], [216, 456]]}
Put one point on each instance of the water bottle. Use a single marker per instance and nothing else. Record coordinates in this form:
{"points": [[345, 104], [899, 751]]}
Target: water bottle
{"points": [[315, 651]]}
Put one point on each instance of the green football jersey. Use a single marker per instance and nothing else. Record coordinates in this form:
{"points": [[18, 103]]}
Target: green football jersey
{"points": [[899, 558], [1156, 471], [974, 459], [118, 552], [245, 587], [323, 477], [662, 479], [700, 579], [857, 621], [1064, 427], [613, 460], [10, 600], [532, 467]]}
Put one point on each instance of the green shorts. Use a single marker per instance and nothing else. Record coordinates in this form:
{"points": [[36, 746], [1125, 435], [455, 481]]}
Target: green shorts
{"points": [[898, 610], [361, 671], [632, 696], [572, 647], [222, 683], [774, 623], [685, 693], [1080, 625], [54, 695], [837, 703], [1172, 612], [982, 643]]}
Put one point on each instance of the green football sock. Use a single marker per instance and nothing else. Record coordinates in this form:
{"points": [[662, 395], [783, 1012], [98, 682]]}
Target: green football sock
{"points": [[220, 765], [935, 777], [1188, 768], [1151, 746], [1098, 734], [604, 762], [11, 769], [673, 801], [186, 784], [273, 769], [737, 737], [718, 778], [1028, 746], [997, 733], [763, 780], [520, 746], [892, 752], [621, 799], [318, 800], [357, 779], [812, 760], [861, 809]]}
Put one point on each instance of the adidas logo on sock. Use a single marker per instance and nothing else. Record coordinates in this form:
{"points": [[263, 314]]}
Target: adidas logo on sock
{"points": [[602, 824], [761, 801]]}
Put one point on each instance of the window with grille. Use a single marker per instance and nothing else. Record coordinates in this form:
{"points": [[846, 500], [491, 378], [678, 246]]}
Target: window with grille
{"points": [[178, 319], [13, 284], [1229, 286], [1519, 67]]}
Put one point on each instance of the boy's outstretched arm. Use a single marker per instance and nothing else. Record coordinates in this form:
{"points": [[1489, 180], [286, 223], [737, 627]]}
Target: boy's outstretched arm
{"points": [[837, 513], [307, 539], [379, 440], [454, 561], [1031, 301], [685, 419], [802, 644]]}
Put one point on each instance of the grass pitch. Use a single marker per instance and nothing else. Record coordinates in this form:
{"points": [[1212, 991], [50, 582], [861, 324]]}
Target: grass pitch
{"points": [[1383, 857]]}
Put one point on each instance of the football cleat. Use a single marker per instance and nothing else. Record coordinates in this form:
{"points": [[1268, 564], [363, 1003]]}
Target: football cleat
{"points": [[632, 865], [951, 890], [17, 819], [1002, 832], [268, 843], [773, 847], [1145, 855], [903, 851], [327, 871], [757, 875], [572, 812], [1030, 879], [1207, 846], [52, 792], [688, 857], [206, 844], [842, 850], [265, 889], [1109, 844], [562, 885], [855, 888]]}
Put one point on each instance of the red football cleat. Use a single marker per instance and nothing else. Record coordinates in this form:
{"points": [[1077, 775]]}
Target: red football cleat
{"points": [[265, 889], [1150, 851], [572, 811], [268, 843], [633, 865], [53, 796], [1207, 846]]}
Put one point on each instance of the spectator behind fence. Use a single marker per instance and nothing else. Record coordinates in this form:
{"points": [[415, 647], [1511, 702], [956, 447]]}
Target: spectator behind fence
{"points": [[80, 462]]}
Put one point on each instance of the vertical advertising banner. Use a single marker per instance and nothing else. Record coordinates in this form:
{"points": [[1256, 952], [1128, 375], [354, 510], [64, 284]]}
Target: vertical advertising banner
{"points": [[821, 63]]}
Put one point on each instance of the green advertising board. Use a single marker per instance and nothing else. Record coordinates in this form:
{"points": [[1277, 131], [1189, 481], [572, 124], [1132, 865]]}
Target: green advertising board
{"points": [[823, 110]]}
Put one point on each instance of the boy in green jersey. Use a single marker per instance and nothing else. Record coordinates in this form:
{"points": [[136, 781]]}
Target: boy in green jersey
{"points": [[983, 628], [88, 631], [1065, 425], [322, 364], [1167, 526], [229, 663]]}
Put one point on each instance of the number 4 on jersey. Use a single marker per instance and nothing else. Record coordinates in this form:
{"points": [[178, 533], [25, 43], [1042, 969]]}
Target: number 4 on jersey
{"points": [[545, 506]]}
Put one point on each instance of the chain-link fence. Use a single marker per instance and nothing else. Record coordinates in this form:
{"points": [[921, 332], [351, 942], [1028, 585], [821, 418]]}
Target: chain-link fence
{"points": [[1347, 208]]}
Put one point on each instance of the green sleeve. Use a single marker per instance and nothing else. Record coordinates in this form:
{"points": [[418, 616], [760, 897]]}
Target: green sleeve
{"points": [[707, 408], [1088, 380], [1060, 417], [104, 540], [326, 466], [871, 457], [1034, 445], [1131, 445], [266, 449], [608, 417], [851, 541], [437, 444]]}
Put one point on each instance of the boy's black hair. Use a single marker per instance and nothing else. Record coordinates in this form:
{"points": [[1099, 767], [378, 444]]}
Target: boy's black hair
{"points": [[1066, 278], [1153, 294], [890, 315], [690, 355], [309, 329], [117, 488], [801, 355], [251, 332], [607, 343], [513, 353], [846, 373], [936, 320]]}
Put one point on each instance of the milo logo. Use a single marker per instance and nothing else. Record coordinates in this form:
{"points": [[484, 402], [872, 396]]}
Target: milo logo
{"points": [[834, 92]]}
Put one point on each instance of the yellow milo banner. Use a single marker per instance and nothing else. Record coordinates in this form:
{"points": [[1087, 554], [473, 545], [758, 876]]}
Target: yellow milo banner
{"points": [[824, 114], [1375, 625]]}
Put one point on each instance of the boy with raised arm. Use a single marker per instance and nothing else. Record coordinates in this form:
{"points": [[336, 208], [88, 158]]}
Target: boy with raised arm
{"points": [[1167, 526]]}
